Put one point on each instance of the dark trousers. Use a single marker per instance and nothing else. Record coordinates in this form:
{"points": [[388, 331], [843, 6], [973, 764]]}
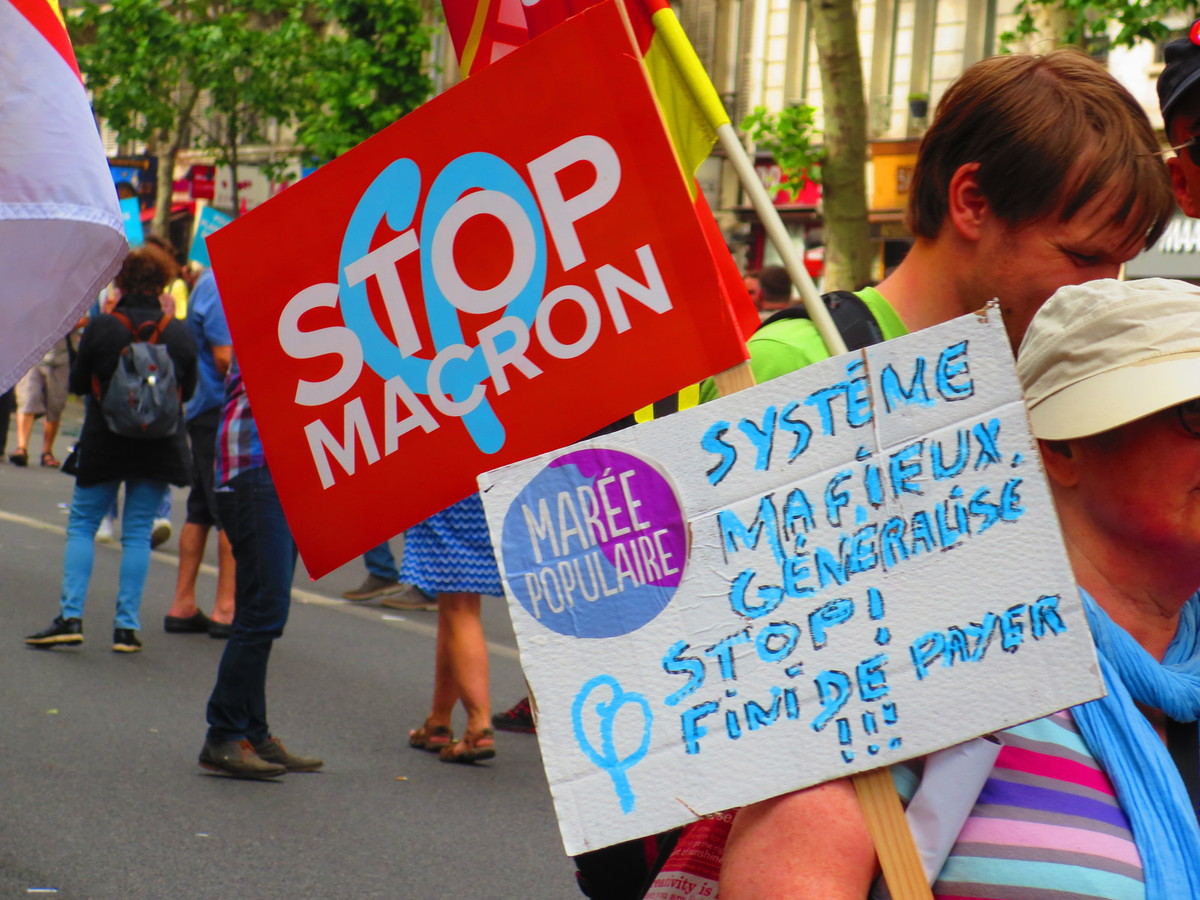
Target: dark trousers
{"points": [[8, 402], [265, 557]]}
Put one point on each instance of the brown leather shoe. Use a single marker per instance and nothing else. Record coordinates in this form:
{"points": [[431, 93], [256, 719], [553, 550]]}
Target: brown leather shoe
{"points": [[273, 751], [237, 758]]}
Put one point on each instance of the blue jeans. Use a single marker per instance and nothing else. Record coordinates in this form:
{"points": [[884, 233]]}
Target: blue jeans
{"points": [[88, 506], [265, 561], [381, 563], [164, 507]]}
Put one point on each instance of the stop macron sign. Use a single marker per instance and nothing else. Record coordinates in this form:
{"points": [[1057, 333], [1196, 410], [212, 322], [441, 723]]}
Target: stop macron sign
{"points": [[504, 271]]}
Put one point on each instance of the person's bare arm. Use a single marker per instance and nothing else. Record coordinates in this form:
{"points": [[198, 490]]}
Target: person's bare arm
{"points": [[223, 357], [808, 845]]}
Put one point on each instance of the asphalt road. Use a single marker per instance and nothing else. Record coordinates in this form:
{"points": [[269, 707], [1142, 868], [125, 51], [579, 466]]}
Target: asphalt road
{"points": [[102, 797]]}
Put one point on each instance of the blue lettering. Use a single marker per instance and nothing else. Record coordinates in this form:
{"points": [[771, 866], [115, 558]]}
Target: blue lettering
{"points": [[872, 679], [986, 435], [925, 650], [1010, 500], [937, 462], [713, 443], [836, 499], [798, 427], [762, 437], [892, 539], [820, 620], [787, 631], [904, 468], [675, 664], [692, 729], [894, 394], [770, 595], [833, 690], [722, 650], [732, 529], [952, 364], [1044, 614]]}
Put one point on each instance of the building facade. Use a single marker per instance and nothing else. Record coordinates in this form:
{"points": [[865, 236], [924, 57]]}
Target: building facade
{"points": [[761, 53]]}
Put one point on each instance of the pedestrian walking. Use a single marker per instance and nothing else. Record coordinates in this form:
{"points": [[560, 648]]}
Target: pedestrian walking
{"points": [[104, 459]]}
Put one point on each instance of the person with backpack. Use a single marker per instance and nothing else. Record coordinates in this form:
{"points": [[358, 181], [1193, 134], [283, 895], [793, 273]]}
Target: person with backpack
{"points": [[135, 367]]}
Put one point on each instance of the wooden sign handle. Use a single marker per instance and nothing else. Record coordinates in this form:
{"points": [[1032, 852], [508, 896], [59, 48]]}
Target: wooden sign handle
{"points": [[733, 380], [894, 843]]}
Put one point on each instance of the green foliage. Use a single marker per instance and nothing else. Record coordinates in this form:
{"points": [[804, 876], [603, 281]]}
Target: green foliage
{"points": [[255, 57], [790, 137], [1088, 21], [340, 70], [136, 56], [368, 72]]}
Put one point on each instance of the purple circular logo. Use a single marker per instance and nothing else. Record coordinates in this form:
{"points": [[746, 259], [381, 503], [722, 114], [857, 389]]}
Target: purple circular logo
{"points": [[595, 545]]}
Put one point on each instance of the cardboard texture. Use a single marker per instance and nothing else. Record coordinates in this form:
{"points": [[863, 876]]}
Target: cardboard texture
{"points": [[509, 268], [873, 571]]}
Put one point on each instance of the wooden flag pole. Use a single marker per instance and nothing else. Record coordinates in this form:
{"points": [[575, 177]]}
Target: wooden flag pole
{"points": [[894, 845], [776, 231], [697, 80]]}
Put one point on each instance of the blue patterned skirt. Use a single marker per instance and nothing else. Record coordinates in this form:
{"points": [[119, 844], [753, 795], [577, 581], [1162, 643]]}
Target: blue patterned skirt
{"points": [[451, 552]]}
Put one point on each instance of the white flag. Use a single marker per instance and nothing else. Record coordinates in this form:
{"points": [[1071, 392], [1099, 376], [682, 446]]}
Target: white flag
{"points": [[61, 237]]}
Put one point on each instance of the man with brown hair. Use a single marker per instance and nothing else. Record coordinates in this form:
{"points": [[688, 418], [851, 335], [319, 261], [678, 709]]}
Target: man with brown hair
{"points": [[1037, 172]]}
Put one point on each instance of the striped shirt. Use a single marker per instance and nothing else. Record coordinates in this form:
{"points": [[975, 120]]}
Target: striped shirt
{"points": [[1046, 826], [238, 446]]}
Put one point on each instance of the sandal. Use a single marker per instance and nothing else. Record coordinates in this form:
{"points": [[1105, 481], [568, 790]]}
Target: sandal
{"points": [[20, 458], [433, 738], [48, 460], [472, 748]]}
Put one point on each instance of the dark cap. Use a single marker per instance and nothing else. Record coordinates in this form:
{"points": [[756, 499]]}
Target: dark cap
{"points": [[1181, 69]]}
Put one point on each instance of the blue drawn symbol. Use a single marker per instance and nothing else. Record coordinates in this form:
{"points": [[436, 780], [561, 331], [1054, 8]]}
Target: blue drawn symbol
{"points": [[606, 711], [393, 196]]}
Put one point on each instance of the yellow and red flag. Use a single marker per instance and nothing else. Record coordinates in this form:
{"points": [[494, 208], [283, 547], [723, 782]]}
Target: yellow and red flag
{"points": [[692, 126], [61, 237], [483, 30]]}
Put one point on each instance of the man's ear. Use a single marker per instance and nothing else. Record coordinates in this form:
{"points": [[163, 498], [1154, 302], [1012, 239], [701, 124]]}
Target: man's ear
{"points": [[1059, 460], [1179, 184], [966, 207]]}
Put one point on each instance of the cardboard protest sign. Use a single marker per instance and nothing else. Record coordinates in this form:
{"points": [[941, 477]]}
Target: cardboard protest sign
{"points": [[131, 218], [208, 222], [839, 569], [509, 268]]}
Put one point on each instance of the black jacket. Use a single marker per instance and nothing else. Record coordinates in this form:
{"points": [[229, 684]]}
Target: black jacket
{"points": [[102, 455]]}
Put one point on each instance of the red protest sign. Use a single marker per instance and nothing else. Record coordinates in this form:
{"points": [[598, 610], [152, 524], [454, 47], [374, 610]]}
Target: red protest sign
{"points": [[504, 271]]}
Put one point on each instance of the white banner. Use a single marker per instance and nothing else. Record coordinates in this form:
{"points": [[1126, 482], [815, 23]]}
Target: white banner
{"points": [[839, 569]]}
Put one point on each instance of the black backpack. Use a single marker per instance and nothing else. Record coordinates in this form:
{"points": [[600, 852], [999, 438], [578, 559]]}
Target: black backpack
{"points": [[626, 871], [142, 399], [850, 314]]}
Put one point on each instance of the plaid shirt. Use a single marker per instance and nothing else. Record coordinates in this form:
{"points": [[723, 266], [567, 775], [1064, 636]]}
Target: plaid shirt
{"points": [[238, 446]]}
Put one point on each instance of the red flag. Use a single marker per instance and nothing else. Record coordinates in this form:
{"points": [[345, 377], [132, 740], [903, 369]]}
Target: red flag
{"points": [[484, 30], [61, 237]]}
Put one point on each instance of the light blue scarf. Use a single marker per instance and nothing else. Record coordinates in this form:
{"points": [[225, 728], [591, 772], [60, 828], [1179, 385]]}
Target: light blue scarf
{"points": [[1147, 782]]}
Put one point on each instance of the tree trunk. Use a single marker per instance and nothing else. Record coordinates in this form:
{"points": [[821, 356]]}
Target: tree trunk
{"points": [[1051, 24], [173, 143], [233, 134], [844, 178]]}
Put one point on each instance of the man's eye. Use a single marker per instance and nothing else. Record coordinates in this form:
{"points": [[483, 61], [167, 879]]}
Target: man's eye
{"points": [[1084, 259]]}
